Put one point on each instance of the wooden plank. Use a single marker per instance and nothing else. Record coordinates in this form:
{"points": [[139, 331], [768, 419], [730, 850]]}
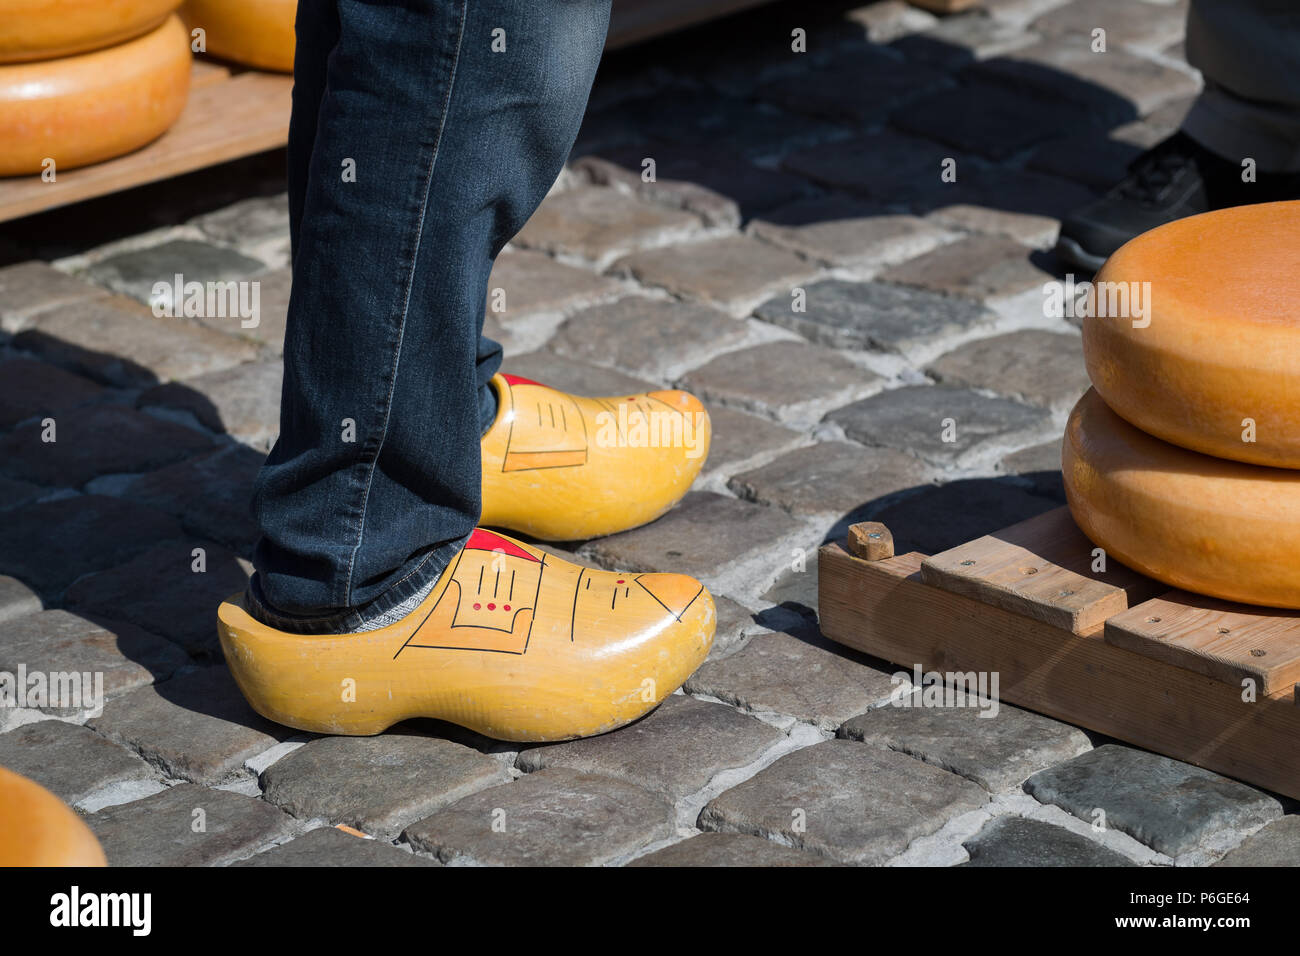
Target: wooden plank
{"points": [[1041, 568], [205, 72], [1220, 639], [246, 114], [884, 608]]}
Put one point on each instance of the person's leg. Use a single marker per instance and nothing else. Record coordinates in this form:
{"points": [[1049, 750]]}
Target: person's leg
{"points": [[441, 126], [1249, 54], [316, 28]]}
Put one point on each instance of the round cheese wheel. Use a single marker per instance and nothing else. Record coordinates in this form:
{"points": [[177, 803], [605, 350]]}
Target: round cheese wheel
{"points": [[253, 32], [37, 829], [44, 29], [1212, 365], [83, 109], [1209, 525]]}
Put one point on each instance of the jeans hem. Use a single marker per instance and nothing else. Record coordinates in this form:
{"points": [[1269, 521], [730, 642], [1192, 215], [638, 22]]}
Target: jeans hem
{"points": [[420, 578]]}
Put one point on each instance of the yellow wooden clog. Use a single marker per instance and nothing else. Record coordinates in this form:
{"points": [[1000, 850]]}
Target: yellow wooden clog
{"points": [[512, 642], [38, 829], [561, 468]]}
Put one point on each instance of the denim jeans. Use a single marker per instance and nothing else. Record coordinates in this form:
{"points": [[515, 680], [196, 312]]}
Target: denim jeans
{"points": [[424, 134]]}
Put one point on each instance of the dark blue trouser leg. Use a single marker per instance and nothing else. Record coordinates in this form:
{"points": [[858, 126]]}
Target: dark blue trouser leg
{"points": [[424, 135]]}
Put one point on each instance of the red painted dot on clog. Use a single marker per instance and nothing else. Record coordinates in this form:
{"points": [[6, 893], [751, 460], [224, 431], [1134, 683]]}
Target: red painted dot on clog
{"points": [[478, 607], [492, 607], [620, 580], [505, 607]]}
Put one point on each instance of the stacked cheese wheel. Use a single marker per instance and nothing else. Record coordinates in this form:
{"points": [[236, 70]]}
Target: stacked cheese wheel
{"points": [[1183, 461], [253, 32], [86, 80]]}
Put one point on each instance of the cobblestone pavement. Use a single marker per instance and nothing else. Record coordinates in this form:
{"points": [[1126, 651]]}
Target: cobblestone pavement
{"points": [[776, 174]]}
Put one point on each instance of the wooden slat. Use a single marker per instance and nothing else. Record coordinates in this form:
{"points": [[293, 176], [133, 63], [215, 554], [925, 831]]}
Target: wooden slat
{"points": [[224, 120], [205, 72], [884, 608], [1041, 568], [1226, 641]]}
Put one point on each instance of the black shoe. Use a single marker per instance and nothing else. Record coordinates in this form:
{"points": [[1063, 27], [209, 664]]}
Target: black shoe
{"points": [[1176, 178]]}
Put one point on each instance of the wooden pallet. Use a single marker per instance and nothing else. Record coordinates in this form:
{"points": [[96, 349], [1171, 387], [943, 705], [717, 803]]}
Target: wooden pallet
{"points": [[1117, 653]]}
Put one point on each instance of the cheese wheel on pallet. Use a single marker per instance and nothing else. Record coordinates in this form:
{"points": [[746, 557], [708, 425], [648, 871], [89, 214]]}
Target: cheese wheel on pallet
{"points": [[1212, 365], [44, 29], [37, 829], [83, 109], [253, 32], [1204, 524]]}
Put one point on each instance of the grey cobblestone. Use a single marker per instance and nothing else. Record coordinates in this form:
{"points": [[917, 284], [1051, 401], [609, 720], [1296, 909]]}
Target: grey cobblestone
{"points": [[118, 342], [675, 750], [654, 339], [161, 830], [208, 494], [1016, 204], [861, 87], [852, 803], [16, 599], [534, 283], [50, 544], [986, 119], [986, 268], [707, 535], [93, 441], [160, 591], [802, 676], [555, 817], [729, 849], [196, 726], [939, 423], [1039, 467], [739, 437], [258, 227], [1018, 841], [997, 748], [58, 641], [886, 167], [959, 40], [31, 287], [31, 389], [72, 762], [1150, 26], [1277, 844], [1171, 806], [829, 477], [1038, 367], [734, 273], [875, 315], [376, 784], [327, 846], [243, 401], [787, 381], [570, 375], [135, 272], [599, 224], [1113, 88], [844, 232]]}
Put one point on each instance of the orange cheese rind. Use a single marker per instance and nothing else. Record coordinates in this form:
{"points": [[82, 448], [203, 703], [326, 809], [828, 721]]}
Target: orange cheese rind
{"points": [[1209, 525]]}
